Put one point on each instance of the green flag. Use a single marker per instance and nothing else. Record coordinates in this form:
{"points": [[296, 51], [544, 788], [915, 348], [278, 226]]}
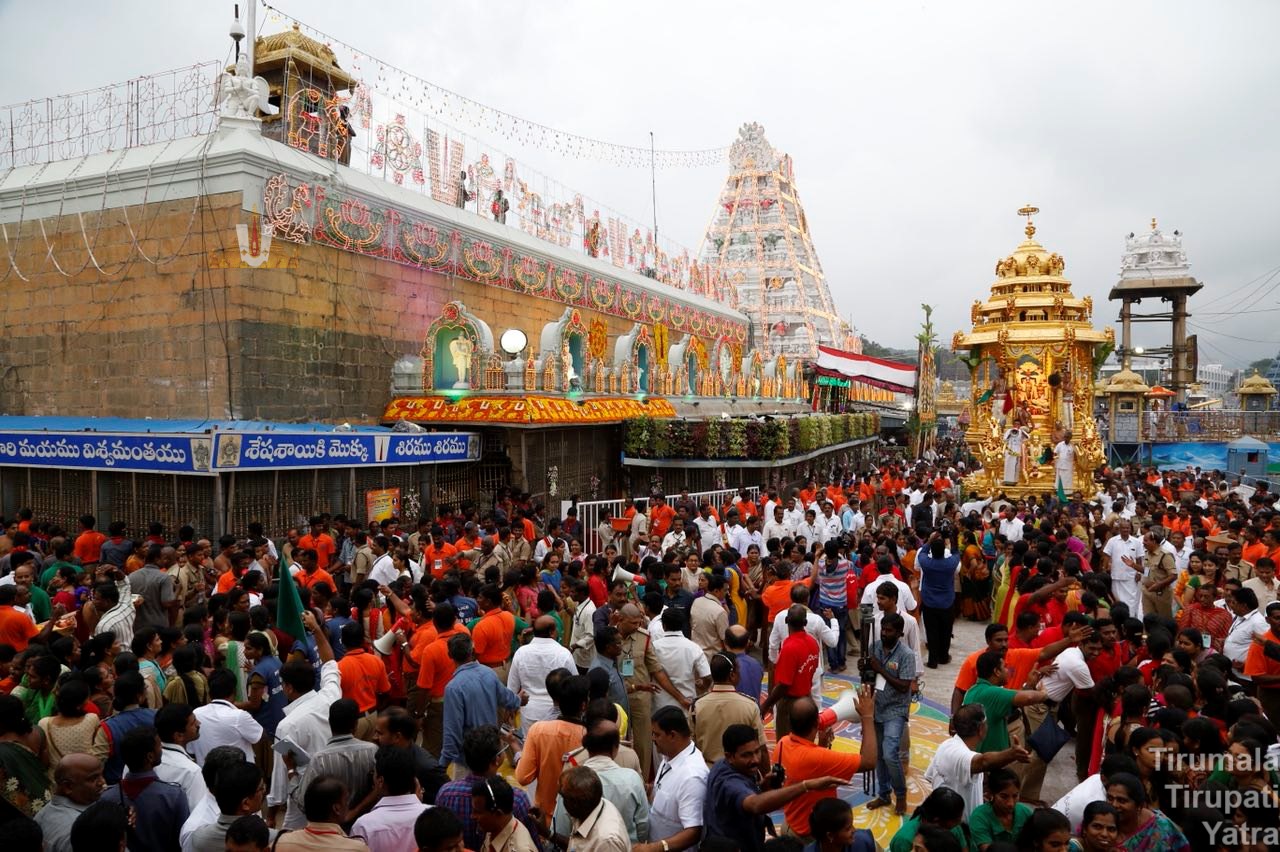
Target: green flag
{"points": [[289, 608], [1062, 497]]}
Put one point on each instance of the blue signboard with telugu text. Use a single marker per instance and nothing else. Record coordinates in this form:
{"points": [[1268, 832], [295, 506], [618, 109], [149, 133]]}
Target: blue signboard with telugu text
{"points": [[227, 451], [97, 451], [268, 450]]}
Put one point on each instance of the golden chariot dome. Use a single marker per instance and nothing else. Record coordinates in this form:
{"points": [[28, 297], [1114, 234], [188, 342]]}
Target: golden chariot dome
{"points": [[1031, 356], [1257, 384]]}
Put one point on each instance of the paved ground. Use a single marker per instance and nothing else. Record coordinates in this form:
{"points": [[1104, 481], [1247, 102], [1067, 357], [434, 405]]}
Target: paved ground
{"points": [[939, 683]]}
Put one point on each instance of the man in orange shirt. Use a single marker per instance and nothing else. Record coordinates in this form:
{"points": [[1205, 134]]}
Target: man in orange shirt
{"points": [[1019, 661], [806, 753], [311, 572], [438, 556], [88, 548], [494, 632], [16, 627], [319, 540], [551, 739], [1263, 667], [1254, 549], [364, 678], [660, 516], [435, 668]]}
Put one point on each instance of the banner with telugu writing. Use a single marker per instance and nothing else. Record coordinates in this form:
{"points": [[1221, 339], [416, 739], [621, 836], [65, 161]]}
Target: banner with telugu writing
{"points": [[150, 453], [530, 410], [266, 450]]}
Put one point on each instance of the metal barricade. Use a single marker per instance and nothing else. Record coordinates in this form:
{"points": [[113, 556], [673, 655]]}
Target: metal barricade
{"points": [[590, 513]]}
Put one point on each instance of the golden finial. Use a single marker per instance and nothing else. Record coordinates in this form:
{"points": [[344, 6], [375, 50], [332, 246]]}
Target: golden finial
{"points": [[1029, 211], [1153, 223]]}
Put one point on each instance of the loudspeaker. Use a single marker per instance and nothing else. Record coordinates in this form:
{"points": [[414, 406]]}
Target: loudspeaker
{"points": [[621, 573], [385, 643], [844, 710]]}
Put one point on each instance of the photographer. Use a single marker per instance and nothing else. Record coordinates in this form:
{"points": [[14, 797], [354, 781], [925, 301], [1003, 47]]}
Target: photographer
{"points": [[893, 663], [938, 596], [740, 795]]}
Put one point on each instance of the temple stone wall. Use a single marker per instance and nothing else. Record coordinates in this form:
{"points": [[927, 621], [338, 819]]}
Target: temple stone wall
{"points": [[197, 334]]}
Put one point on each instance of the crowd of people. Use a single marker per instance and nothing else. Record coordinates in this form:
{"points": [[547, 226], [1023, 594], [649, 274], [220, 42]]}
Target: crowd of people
{"points": [[499, 680]]}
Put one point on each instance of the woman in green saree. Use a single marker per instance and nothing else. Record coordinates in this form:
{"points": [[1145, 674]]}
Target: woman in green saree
{"points": [[24, 779]]}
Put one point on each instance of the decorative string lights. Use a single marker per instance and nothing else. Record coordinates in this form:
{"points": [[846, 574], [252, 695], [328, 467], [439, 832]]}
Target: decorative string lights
{"points": [[439, 101]]}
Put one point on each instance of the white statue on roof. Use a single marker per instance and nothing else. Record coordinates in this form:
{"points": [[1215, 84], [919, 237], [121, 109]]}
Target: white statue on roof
{"points": [[241, 95]]}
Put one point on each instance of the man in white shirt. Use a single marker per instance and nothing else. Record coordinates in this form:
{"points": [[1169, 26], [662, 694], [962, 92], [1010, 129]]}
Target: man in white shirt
{"points": [[383, 570], [906, 600], [708, 529], [178, 726], [388, 827], [793, 517], [853, 519], [1093, 789], [1011, 525], [1263, 582], [1064, 464], [223, 723], [957, 766], [809, 530], [1177, 546], [777, 526], [306, 716], [584, 631], [825, 630], [529, 669], [683, 661], [1123, 555], [1072, 674], [886, 593], [831, 526], [978, 506], [735, 533], [674, 538], [679, 785], [1248, 621]]}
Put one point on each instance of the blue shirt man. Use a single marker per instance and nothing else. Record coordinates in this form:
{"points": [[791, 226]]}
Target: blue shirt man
{"points": [[937, 576], [750, 672], [161, 807], [472, 698]]}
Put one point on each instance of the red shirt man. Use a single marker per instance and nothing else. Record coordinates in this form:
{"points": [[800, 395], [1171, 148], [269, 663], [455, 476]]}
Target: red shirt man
{"points": [[88, 546], [492, 635], [660, 517], [797, 664]]}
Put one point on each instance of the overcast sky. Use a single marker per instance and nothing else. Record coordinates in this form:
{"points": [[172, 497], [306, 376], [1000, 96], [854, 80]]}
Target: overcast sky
{"points": [[917, 129]]}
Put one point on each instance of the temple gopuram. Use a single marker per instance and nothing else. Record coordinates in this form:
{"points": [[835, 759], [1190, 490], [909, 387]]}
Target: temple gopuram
{"points": [[1031, 356]]}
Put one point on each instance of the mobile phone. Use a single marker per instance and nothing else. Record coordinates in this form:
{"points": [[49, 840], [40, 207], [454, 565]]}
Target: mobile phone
{"points": [[1204, 639]]}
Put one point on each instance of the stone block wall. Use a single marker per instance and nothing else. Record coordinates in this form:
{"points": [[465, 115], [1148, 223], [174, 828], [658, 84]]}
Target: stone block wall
{"points": [[192, 333]]}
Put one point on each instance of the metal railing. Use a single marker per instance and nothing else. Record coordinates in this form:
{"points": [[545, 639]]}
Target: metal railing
{"points": [[591, 512], [161, 107], [1166, 427]]}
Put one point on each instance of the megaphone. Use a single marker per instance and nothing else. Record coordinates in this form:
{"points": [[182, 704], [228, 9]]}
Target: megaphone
{"points": [[621, 573], [844, 710], [384, 643]]}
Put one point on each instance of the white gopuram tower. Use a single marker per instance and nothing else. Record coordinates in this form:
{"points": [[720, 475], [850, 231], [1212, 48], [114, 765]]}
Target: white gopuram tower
{"points": [[759, 238]]}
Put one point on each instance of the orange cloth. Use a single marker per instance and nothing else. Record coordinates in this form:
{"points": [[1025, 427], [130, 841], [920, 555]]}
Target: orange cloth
{"points": [[1258, 663], [493, 635], [226, 582], [363, 677], [776, 597], [1253, 552], [660, 518], [438, 552], [803, 760], [435, 667], [322, 544], [89, 546], [16, 628], [543, 757], [307, 581]]}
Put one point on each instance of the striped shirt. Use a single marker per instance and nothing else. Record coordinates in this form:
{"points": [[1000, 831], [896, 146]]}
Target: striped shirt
{"points": [[832, 583]]}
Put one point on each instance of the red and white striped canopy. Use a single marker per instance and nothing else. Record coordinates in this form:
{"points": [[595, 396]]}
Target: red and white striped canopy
{"points": [[877, 372]]}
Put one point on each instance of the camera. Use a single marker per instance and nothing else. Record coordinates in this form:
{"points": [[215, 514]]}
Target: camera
{"points": [[778, 776]]}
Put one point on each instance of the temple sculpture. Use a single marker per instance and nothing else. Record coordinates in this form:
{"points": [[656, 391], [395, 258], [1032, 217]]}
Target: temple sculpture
{"points": [[1031, 356]]}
